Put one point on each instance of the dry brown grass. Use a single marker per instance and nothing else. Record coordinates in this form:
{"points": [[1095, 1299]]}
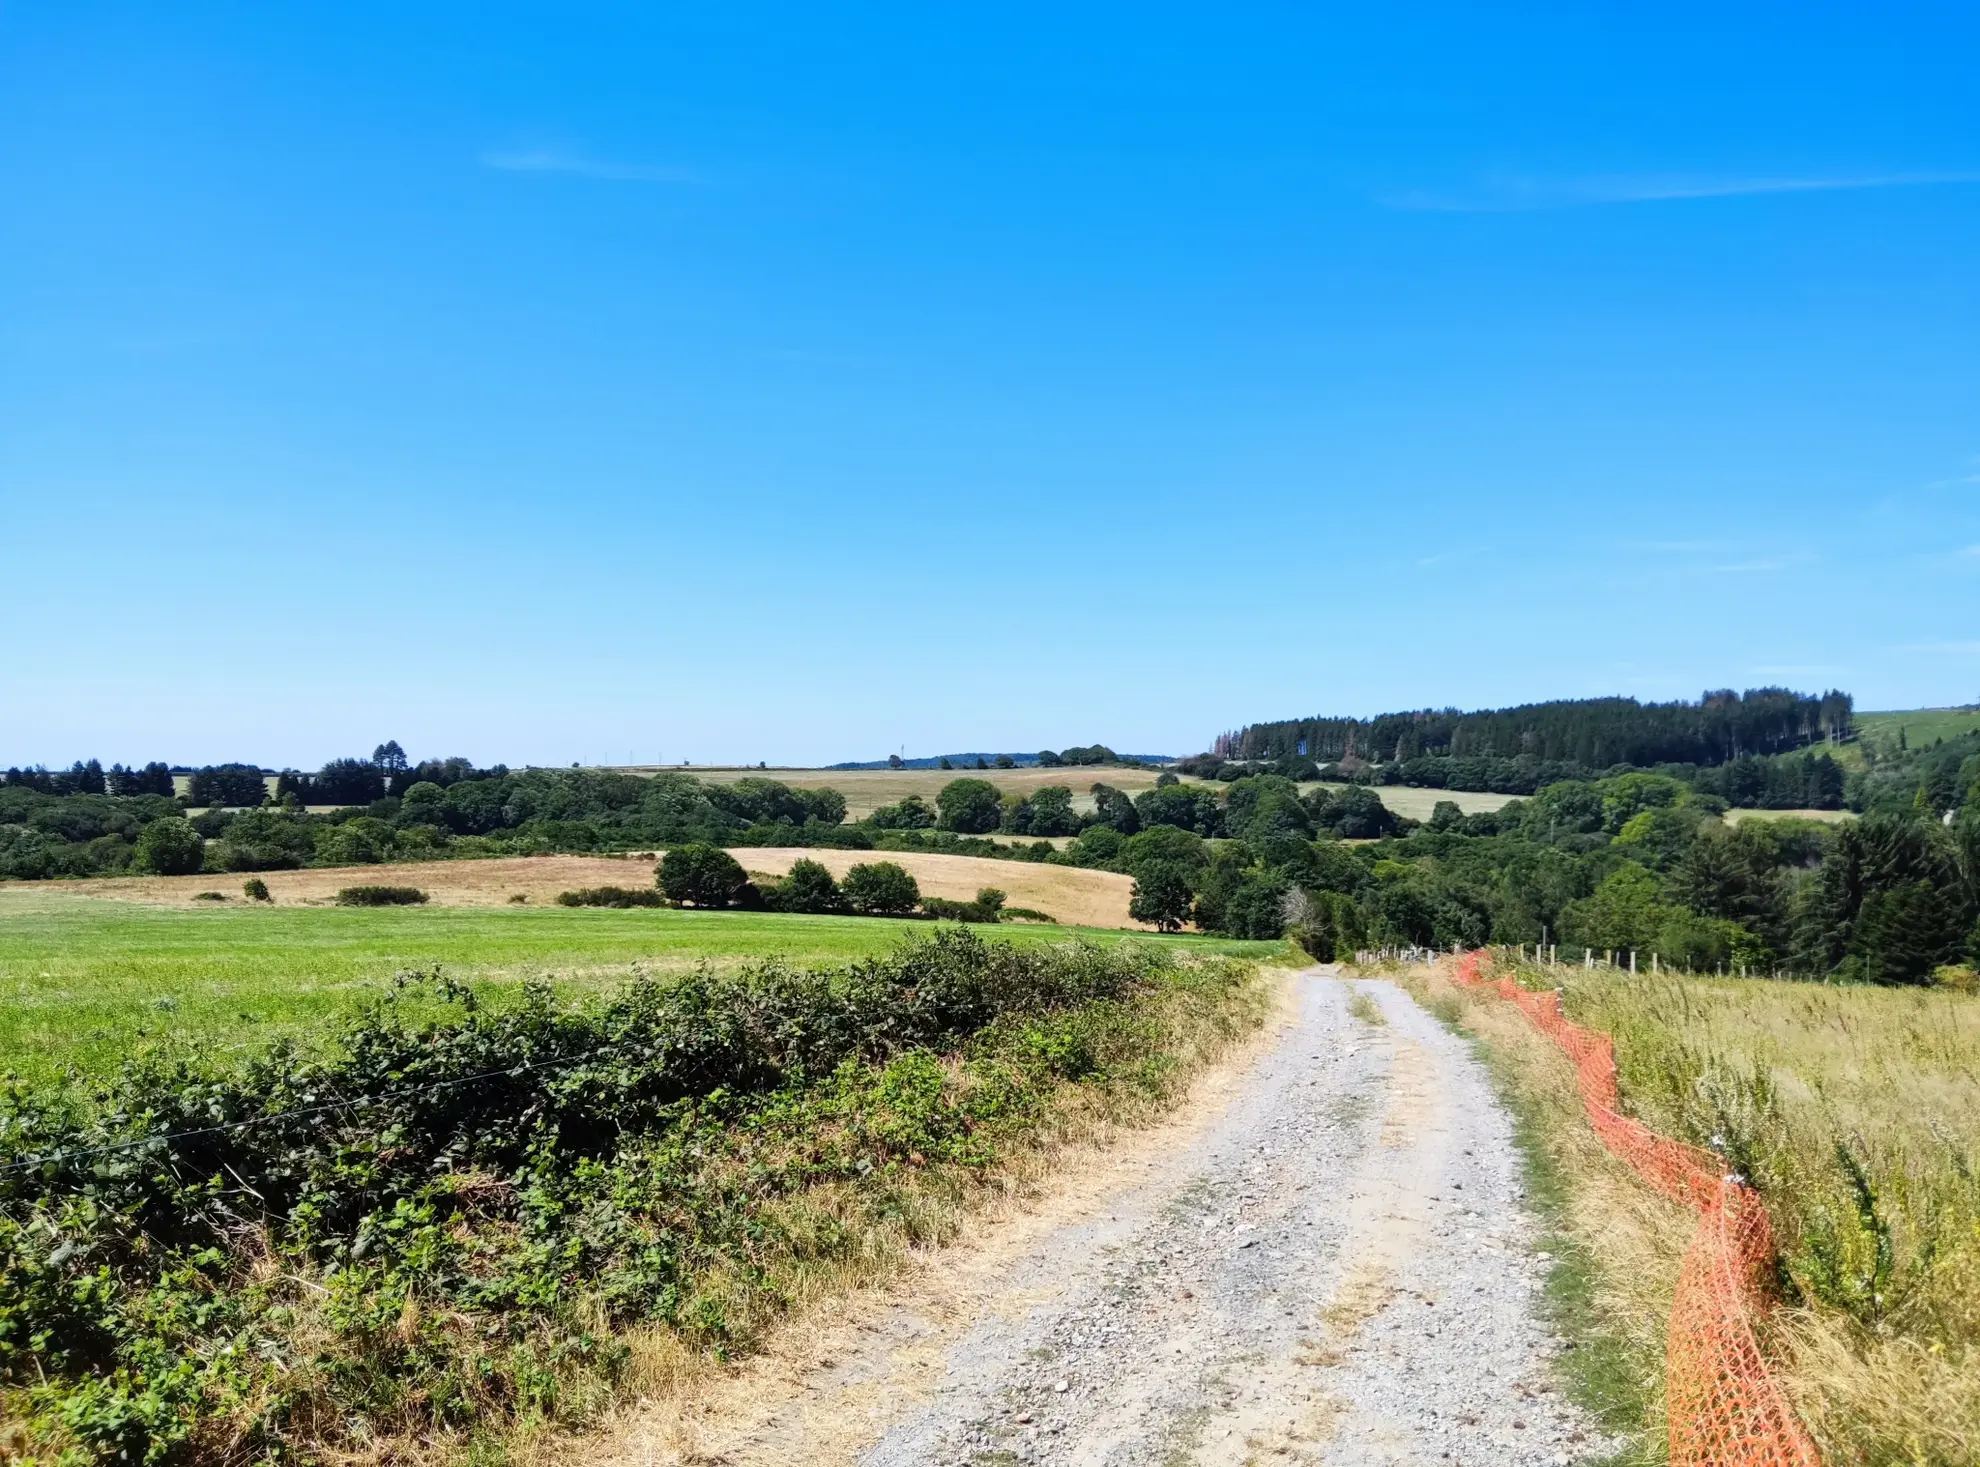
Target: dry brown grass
{"points": [[866, 790], [1418, 804], [446, 883], [1856, 1111], [1072, 894]]}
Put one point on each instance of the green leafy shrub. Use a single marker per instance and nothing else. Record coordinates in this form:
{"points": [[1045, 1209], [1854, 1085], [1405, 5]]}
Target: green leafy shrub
{"points": [[1161, 896], [880, 889], [610, 896], [988, 907], [970, 806], [1027, 914], [701, 875], [443, 1221], [170, 847], [807, 887], [256, 890], [381, 896]]}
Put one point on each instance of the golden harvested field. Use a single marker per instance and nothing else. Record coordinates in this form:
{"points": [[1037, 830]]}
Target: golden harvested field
{"points": [[1830, 817], [1417, 804], [1070, 893], [446, 883], [1075, 896], [866, 790]]}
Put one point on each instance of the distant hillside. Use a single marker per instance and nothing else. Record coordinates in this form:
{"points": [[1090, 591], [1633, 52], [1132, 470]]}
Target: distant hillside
{"points": [[1022, 761], [1596, 733]]}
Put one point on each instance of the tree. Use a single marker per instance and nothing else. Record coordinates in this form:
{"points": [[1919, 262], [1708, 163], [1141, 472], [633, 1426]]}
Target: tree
{"points": [[1050, 812], [170, 847], [911, 813], [970, 806], [153, 779], [1161, 896], [1005, 761], [945, 763], [1187, 807], [228, 785], [1445, 815], [85, 778], [364, 841], [264, 840], [1903, 932], [880, 889], [1048, 760], [389, 757], [1114, 808], [808, 887], [346, 782], [895, 761], [701, 875], [1163, 845], [1256, 907]]}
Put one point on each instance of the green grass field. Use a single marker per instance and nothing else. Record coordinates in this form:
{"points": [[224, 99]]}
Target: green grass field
{"points": [[1921, 725], [85, 982]]}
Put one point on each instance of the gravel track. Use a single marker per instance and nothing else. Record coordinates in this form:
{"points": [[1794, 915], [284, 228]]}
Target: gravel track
{"points": [[1335, 1267]]}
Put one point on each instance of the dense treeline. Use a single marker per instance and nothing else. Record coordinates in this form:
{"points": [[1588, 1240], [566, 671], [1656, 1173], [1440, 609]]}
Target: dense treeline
{"points": [[1594, 733], [1638, 860]]}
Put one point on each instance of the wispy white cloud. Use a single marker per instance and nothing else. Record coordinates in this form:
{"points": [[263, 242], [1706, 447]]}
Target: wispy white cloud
{"points": [[1445, 556], [553, 160], [1677, 547], [1501, 194]]}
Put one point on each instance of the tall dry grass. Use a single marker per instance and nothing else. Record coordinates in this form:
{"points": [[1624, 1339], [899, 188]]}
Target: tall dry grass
{"points": [[1856, 1112]]}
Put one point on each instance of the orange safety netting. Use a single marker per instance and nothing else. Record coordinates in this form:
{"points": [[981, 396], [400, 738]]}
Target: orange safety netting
{"points": [[1726, 1408]]}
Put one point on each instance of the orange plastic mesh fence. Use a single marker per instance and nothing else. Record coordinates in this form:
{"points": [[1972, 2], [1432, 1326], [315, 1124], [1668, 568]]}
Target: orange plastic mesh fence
{"points": [[1726, 1408]]}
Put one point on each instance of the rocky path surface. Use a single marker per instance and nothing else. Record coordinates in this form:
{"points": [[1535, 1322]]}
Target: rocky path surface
{"points": [[1334, 1266]]}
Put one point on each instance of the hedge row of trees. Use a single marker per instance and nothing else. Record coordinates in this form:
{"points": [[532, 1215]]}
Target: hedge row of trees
{"points": [[1594, 733], [1637, 862]]}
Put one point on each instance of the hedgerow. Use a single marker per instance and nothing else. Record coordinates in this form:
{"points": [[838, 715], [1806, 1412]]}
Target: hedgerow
{"points": [[447, 1222]]}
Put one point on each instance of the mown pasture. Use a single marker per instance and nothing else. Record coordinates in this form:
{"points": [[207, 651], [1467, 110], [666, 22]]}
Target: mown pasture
{"points": [[87, 981]]}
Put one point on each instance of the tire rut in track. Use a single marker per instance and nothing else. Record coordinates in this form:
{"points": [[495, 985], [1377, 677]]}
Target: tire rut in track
{"points": [[1323, 1258]]}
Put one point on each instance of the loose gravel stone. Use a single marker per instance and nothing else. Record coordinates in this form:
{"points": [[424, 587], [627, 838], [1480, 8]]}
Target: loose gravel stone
{"points": [[1339, 1269]]}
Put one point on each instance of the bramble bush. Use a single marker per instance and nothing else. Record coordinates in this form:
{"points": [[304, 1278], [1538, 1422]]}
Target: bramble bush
{"points": [[611, 896], [381, 896], [440, 1225]]}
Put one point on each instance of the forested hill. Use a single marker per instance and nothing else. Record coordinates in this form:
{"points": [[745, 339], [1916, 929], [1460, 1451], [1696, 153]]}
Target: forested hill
{"points": [[1596, 733]]}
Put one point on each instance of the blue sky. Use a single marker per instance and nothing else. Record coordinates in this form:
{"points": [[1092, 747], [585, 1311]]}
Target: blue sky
{"points": [[802, 383]]}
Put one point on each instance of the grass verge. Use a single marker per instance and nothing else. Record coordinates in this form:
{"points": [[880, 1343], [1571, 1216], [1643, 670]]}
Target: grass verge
{"points": [[1614, 1246], [1855, 1111], [467, 1232]]}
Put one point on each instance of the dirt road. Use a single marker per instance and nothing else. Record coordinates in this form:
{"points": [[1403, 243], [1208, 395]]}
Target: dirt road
{"points": [[1324, 1259]]}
